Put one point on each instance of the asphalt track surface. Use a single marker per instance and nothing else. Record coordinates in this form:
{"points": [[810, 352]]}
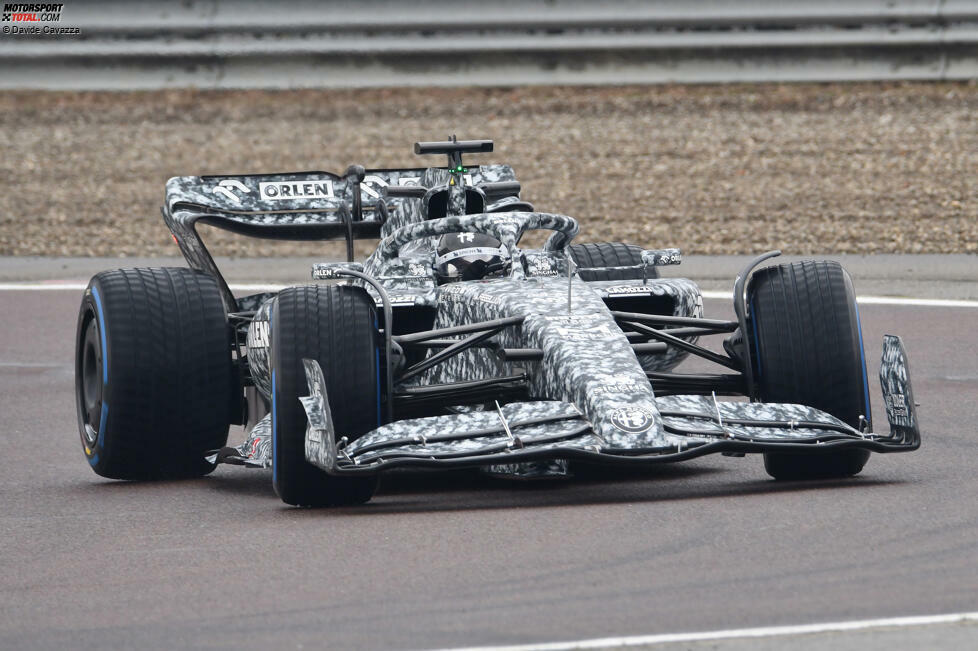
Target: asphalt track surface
{"points": [[462, 560]]}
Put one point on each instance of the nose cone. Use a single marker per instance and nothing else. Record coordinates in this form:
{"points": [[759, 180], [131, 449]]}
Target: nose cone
{"points": [[588, 361]]}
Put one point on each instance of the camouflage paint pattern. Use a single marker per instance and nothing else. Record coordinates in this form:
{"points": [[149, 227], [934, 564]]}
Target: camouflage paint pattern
{"points": [[590, 391]]}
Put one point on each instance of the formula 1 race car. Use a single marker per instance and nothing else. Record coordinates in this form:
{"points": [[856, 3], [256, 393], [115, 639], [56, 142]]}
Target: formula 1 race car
{"points": [[451, 346]]}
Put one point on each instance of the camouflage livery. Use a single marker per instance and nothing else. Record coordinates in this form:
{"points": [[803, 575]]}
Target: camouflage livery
{"points": [[581, 378]]}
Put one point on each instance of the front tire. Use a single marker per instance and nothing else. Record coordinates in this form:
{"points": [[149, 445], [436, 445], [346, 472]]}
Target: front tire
{"points": [[808, 350], [153, 373], [335, 325]]}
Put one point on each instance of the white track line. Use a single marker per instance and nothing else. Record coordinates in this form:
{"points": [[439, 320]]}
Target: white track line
{"points": [[59, 285], [257, 287], [880, 300], [41, 286], [923, 302], [738, 633]]}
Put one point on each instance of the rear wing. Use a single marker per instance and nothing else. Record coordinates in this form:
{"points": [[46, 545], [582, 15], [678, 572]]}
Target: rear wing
{"points": [[311, 205], [301, 205], [294, 206]]}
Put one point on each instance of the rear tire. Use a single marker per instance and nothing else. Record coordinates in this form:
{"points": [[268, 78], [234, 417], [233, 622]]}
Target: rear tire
{"points": [[590, 257], [153, 373], [335, 325], [808, 350]]}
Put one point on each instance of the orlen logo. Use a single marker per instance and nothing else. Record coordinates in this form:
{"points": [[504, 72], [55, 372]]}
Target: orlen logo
{"points": [[285, 190], [632, 419], [258, 335]]}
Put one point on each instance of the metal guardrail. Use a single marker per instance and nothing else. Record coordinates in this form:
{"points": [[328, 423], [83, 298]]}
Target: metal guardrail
{"points": [[245, 43]]}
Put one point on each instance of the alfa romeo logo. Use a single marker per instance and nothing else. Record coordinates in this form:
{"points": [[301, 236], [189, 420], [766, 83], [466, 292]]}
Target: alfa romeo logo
{"points": [[632, 419]]}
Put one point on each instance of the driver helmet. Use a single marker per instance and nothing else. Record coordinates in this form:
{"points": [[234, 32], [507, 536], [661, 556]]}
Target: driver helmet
{"points": [[468, 256]]}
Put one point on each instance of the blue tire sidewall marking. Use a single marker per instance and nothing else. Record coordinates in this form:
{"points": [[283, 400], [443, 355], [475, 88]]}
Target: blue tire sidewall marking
{"points": [[271, 330], [104, 417]]}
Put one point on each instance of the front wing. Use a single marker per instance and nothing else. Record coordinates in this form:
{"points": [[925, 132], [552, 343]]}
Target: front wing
{"points": [[547, 430]]}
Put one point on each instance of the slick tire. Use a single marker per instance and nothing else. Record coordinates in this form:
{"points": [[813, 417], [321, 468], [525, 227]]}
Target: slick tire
{"points": [[592, 256], [335, 325], [808, 349], [153, 373]]}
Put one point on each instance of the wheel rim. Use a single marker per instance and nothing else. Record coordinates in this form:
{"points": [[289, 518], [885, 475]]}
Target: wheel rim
{"points": [[91, 385]]}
